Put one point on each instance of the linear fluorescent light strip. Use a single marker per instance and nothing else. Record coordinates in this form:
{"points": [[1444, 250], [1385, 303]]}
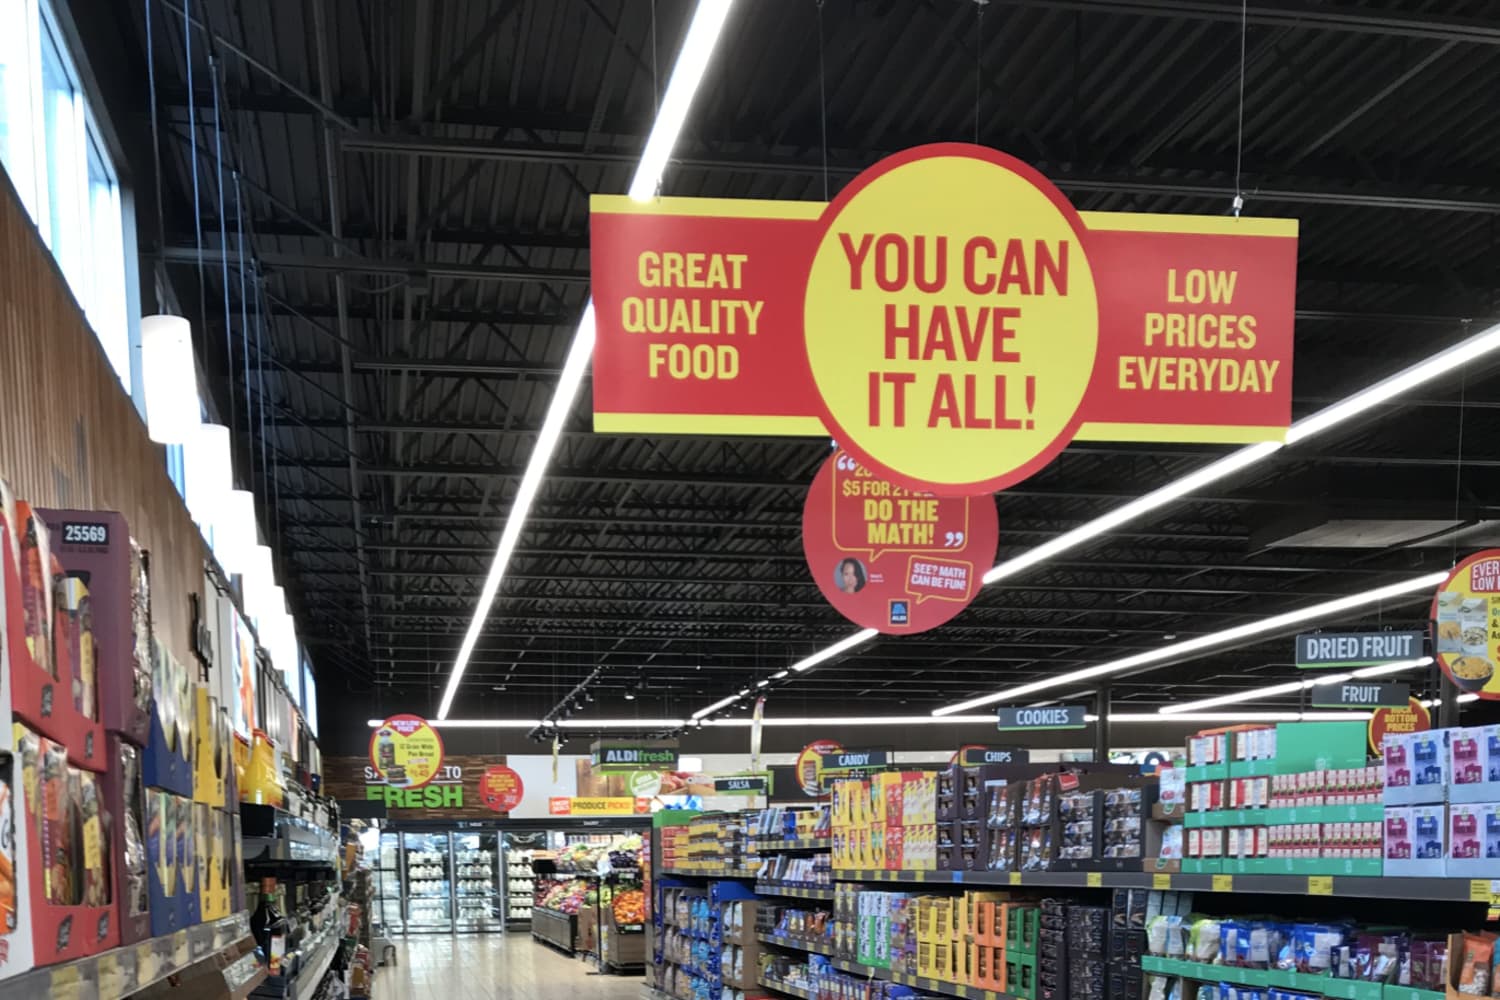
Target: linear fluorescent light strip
{"points": [[1290, 687], [692, 61], [1367, 399], [1203, 642]]}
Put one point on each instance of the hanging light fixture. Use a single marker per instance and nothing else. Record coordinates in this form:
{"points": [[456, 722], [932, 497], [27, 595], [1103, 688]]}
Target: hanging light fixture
{"points": [[169, 379], [259, 579], [208, 471], [234, 531]]}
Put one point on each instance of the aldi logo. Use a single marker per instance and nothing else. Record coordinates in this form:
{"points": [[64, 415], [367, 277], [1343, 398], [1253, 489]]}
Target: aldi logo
{"points": [[900, 612]]}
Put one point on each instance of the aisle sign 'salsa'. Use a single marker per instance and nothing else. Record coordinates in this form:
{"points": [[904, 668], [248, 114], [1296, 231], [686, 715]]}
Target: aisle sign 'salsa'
{"points": [[949, 318]]}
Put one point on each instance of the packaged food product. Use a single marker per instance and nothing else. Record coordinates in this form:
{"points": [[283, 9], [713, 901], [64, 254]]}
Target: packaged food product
{"points": [[83, 789], [1474, 974], [133, 875], [8, 832]]}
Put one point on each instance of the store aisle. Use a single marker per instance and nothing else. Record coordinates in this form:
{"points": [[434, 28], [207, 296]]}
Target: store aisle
{"points": [[495, 967]]}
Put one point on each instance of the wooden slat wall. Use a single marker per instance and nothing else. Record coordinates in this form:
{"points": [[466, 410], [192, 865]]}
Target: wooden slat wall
{"points": [[70, 437], [344, 778]]}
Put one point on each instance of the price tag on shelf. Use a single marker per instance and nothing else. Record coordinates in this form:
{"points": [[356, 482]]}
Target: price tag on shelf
{"points": [[1484, 890], [1320, 885], [1015, 878], [1223, 883], [921, 876], [1161, 881], [1094, 880]]}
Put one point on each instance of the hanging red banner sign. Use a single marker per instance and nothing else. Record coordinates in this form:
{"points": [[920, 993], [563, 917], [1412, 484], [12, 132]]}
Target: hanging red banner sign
{"points": [[888, 558], [950, 319], [501, 788]]}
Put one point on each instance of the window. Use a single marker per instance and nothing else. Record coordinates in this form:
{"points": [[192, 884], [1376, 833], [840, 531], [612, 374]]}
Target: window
{"points": [[51, 150]]}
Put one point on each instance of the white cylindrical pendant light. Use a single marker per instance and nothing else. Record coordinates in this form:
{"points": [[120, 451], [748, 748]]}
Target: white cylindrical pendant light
{"points": [[234, 531], [258, 579], [169, 380], [208, 470]]}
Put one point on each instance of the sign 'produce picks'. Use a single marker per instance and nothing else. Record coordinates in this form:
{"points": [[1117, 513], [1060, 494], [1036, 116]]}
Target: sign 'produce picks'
{"points": [[949, 319]]}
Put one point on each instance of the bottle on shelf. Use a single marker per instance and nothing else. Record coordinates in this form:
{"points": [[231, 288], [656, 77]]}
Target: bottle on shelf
{"points": [[269, 927]]}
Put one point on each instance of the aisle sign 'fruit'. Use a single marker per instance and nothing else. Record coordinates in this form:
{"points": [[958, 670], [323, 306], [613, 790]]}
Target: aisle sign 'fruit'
{"points": [[949, 318], [501, 788], [406, 751], [888, 558], [1466, 623]]}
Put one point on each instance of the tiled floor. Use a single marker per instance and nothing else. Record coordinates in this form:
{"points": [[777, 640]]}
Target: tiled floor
{"points": [[495, 967]]}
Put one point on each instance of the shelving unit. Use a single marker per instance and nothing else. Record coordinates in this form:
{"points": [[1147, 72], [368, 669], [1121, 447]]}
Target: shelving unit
{"points": [[476, 885], [518, 881], [428, 882], [132, 968]]}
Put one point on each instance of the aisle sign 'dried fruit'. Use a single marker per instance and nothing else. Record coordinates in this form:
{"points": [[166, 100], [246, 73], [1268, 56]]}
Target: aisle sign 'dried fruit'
{"points": [[1466, 624], [501, 788], [949, 318], [890, 559], [406, 751]]}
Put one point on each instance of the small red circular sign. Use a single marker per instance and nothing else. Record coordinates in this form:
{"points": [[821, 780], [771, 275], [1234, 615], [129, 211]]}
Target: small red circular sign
{"points": [[501, 788], [1414, 718], [888, 558]]}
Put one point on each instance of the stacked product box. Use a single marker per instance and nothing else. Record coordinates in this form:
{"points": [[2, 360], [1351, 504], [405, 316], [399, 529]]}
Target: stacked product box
{"points": [[1052, 950], [1442, 802], [96, 550], [1127, 943], [1296, 798], [62, 902], [1087, 953], [888, 821]]}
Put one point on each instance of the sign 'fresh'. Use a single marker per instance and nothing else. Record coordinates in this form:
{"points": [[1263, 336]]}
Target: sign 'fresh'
{"points": [[950, 319]]}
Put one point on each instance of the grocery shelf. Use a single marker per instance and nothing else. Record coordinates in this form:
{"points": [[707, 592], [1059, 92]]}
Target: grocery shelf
{"points": [[304, 984], [132, 968], [1448, 890], [703, 873], [787, 988], [920, 982], [801, 944], [776, 845], [1328, 986], [272, 834], [795, 892]]}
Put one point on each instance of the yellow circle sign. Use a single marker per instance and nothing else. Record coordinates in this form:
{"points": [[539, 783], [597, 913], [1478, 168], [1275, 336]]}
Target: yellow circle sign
{"points": [[951, 321], [405, 751], [1466, 629]]}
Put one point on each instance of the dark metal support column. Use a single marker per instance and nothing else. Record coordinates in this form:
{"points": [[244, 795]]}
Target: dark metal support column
{"points": [[1101, 728]]}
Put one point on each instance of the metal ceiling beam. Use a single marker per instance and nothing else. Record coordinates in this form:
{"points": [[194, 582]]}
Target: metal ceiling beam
{"points": [[1339, 18], [1104, 180], [417, 271]]}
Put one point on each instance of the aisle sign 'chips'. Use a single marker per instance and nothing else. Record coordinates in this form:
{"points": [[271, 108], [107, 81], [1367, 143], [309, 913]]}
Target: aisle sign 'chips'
{"points": [[949, 318]]}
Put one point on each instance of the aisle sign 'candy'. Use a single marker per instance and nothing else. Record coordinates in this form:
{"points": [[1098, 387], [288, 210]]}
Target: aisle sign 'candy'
{"points": [[888, 558], [406, 751], [950, 318], [1466, 624]]}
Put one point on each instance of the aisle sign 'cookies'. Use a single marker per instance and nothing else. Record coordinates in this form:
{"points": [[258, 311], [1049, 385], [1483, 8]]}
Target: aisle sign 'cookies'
{"points": [[406, 751], [1466, 622], [949, 318], [891, 559]]}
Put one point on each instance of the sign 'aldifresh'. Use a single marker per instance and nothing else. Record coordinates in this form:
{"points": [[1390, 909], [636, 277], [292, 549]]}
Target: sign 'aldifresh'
{"points": [[949, 318], [634, 755]]}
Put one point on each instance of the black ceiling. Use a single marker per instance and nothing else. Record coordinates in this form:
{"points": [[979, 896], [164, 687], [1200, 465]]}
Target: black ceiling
{"points": [[415, 180]]}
